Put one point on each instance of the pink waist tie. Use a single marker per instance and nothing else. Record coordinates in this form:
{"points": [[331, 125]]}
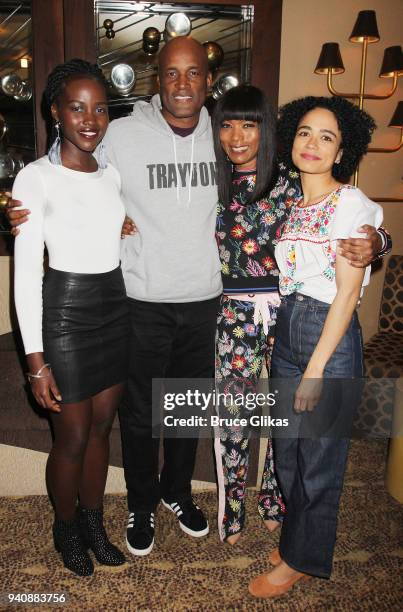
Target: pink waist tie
{"points": [[262, 302]]}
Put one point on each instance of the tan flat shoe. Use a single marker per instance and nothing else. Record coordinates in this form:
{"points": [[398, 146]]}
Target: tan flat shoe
{"points": [[274, 557], [261, 587], [272, 526], [233, 539]]}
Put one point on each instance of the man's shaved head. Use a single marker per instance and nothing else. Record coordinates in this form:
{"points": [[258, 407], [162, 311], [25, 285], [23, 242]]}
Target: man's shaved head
{"points": [[183, 43], [184, 78]]}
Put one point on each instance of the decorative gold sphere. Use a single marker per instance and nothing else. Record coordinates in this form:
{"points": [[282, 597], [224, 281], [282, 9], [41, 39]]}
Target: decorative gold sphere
{"points": [[108, 24], [151, 36], [150, 49], [215, 54], [110, 34]]}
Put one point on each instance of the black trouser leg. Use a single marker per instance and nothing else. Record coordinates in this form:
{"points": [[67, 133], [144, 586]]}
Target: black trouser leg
{"points": [[168, 340], [193, 357], [150, 350]]}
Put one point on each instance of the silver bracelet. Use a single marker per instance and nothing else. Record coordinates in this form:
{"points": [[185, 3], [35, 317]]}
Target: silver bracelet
{"points": [[39, 373]]}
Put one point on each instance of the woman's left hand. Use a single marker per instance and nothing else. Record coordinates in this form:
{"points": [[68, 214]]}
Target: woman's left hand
{"points": [[308, 394], [129, 228]]}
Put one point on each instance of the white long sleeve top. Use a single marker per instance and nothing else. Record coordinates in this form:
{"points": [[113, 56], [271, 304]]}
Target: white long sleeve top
{"points": [[78, 216]]}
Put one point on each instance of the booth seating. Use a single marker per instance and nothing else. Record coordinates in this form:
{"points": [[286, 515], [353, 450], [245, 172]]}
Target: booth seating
{"points": [[383, 358]]}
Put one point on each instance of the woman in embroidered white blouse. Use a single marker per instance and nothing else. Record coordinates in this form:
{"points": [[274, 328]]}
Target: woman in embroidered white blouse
{"points": [[318, 335]]}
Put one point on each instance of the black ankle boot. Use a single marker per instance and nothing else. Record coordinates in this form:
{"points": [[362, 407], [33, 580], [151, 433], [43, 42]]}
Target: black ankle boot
{"points": [[68, 542], [94, 537]]}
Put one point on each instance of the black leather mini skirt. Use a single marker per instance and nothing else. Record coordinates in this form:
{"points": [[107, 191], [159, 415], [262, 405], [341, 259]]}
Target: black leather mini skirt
{"points": [[85, 331]]}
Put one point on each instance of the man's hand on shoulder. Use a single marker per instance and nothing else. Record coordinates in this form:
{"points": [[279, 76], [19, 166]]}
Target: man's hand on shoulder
{"points": [[129, 228], [16, 217], [361, 251]]}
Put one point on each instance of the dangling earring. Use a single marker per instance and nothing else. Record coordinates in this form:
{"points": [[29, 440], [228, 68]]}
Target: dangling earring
{"points": [[100, 156], [54, 151]]}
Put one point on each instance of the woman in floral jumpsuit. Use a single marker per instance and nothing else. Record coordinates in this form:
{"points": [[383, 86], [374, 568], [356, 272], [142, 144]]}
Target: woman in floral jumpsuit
{"points": [[249, 221]]}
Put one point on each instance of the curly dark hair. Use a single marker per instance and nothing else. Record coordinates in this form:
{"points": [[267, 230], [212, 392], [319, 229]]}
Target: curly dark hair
{"points": [[59, 76], [356, 129]]}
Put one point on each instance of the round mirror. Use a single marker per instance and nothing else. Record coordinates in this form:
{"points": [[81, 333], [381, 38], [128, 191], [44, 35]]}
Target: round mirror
{"points": [[25, 93], [177, 24], [11, 84], [223, 84], [123, 78]]}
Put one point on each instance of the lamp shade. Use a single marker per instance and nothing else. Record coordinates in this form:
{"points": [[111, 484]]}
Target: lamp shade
{"points": [[397, 119], [365, 27], [330, 59], [392, 62]]}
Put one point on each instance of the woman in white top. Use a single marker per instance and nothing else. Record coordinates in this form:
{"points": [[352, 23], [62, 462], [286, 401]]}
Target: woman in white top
{"points": [[75, 326], [318, 335]]}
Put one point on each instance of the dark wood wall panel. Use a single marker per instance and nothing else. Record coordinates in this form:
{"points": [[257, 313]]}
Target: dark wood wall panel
{"points": [[79, 30], [266, 48], [48, 51]]}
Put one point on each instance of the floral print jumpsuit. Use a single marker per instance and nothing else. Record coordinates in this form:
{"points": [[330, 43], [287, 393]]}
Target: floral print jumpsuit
{"points": [[247, 235]]}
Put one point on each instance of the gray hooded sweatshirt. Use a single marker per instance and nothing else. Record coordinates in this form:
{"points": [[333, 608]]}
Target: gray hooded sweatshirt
{"points": [[169, 190]]}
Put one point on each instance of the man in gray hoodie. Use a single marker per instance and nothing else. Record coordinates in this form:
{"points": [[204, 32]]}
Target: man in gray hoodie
{"points": [[164, 153]]}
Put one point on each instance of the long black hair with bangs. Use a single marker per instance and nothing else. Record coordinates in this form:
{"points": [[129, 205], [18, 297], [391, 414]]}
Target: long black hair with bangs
{"points": [[247, 103]]}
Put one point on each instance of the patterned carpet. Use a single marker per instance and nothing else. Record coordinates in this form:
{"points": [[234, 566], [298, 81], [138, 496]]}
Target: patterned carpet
{"points": [[184, 574]]}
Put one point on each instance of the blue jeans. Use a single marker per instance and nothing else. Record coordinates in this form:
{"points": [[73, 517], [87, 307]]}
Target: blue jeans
{"points": [[309, 465]]}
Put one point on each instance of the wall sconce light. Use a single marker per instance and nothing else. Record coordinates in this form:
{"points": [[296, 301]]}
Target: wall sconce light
{"points": [[365, 28], [392, 62], [365, 32], [396, 122], [330, 60], [24, 62]]}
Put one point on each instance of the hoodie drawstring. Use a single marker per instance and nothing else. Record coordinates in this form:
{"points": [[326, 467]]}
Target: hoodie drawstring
{"points": [[191, 169], [177, 170]]}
